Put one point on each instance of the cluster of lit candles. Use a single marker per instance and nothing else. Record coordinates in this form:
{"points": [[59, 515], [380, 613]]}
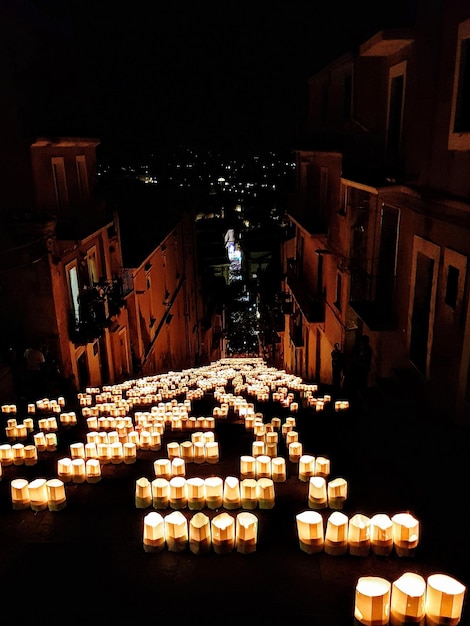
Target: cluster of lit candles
{"points": [[115, 437]]}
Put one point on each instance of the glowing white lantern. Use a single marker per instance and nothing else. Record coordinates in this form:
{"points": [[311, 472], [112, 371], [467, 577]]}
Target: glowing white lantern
{"points": [[154, 532], [160, 493], [291, 437], [51, 442], [143, 493], [173, 449], [17, 450], [78, 470], [322, 466], [30, 455], [64, 469], [56, 498], [77, 450], [266, 495], [178, 494], [247, 466], [246, 532], [306, 467], [249, 493], [407, 604], [405, 533], [92, 471], [444, 600], [129, 451], [258, 448], [263, 466], [381, 534], [178, 467], [336, 534], [199, 451], [372, 601], [144, 440], [176, 532], [223, 533], [38, 494], [337, 493], [231, 493], [200, 533], [310, 531], [212, 451], [213, 488], [39, 441], [317, 493], [295, 451], [162, 468], [19, 488], [196, 493], [155, 440], [187, 451], [278, 469], [359, 535]]}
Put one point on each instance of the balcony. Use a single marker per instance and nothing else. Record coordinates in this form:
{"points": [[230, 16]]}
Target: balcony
{"points": [[312, 308], [98, 305]]}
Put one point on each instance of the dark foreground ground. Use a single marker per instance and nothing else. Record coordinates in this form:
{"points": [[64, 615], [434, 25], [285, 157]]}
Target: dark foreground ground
{"points": [[86, 564]]}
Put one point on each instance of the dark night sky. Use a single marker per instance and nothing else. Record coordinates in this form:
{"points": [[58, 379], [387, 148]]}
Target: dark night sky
{"points": [[186, 71]]}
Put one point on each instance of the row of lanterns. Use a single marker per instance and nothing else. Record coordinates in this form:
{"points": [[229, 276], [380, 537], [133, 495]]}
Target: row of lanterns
{"points": [[197, 493], [223, 533], [358, 535], [437, 601]]}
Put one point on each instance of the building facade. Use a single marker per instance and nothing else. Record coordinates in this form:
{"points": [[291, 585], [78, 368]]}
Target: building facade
{"points": [[381, 216]]}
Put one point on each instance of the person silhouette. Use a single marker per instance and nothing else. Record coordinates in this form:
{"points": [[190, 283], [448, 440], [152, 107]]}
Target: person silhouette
{"points": [[337, 364]]}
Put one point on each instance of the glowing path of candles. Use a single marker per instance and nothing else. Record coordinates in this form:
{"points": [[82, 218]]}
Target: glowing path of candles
{"points": [[90, 552]]}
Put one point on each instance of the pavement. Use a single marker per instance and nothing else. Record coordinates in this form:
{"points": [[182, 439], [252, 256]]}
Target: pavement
{"points": [[86, 564]]}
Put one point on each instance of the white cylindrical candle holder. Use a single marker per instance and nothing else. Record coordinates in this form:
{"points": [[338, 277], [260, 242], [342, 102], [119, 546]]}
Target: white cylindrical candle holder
{"points": [[359, 535], [336, 534], [408, 598], [223, 533], [213, 488], [200, 533], [317, 493], [310, 531], [372, 601], [176, 532], [231, 493], [381, 534], [19, 488], [444, 600], [56, 496], [154, 532], [38, 494], [160, 493], [266, 493], [143, 493], [246, 532], [405, 534]]}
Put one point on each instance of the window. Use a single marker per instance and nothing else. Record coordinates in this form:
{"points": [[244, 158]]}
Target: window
{"points": [[82, 176], [74, 291], [60, 183], [395, 111], [459, 135], [452, 285], [339, 288], [347, 103]]}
